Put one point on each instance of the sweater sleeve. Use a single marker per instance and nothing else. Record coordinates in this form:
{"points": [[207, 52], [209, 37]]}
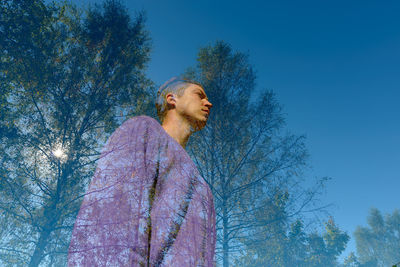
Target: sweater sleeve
{"points": [[145, 205], [211, 235], [112, 226]]}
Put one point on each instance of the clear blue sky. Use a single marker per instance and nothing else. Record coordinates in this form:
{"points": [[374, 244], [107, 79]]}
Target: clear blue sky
{"points": [[334, 65]]}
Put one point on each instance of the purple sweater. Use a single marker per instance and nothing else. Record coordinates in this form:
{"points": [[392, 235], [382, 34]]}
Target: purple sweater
{"points": [[146, 205]]}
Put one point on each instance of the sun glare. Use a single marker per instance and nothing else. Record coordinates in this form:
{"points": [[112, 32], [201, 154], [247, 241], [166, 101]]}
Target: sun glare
{"points": [[58, 153]]}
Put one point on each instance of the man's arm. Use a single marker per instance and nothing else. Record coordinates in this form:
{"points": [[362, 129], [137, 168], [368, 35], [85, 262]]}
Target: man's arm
{"points": [[112, 225], [144, 205]]}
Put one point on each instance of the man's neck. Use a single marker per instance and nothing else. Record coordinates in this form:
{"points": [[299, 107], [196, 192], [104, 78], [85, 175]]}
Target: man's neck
{"points": [[178, 129]]}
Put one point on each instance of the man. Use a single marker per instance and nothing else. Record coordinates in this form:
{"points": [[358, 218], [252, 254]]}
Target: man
{"points": [[182, 109], [147, 204]]}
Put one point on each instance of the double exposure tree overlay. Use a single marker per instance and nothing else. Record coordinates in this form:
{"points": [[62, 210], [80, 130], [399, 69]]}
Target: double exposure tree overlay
{"points": [[378, 244], [252, 167], [295, 248], [67, 78]]}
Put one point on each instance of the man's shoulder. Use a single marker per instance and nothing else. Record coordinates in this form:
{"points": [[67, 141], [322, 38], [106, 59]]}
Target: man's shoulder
{"points": [[133, 127], [140, 122]]}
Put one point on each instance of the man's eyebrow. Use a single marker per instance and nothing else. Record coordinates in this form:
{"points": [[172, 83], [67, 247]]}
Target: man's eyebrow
{"points": [[199, 90]]}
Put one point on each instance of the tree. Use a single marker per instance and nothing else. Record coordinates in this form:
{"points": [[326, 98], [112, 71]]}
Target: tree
{"points": [[269, 245], [351, 261], [324, 250], [379, 242], [242, 153], [67, 81], [295, 247]]}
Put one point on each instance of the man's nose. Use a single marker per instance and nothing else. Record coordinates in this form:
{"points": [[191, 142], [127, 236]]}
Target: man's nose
{"points": [[208, 104]]}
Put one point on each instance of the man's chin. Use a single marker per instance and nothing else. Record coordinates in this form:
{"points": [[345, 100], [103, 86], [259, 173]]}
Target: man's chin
{"points": [[199, 124]]}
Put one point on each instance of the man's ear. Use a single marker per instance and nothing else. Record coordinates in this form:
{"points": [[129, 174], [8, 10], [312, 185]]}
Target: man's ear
{"points": [[171, 99]]}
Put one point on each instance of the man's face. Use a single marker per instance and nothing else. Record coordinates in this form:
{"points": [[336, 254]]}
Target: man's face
{"points": [[194, 106]]}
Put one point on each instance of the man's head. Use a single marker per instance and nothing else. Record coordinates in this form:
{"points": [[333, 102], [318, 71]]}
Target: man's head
{"points": [[186, 98]]}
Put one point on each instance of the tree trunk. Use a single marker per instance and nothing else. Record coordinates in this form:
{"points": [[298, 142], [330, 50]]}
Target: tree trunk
{"points": [[39, 249], [51, 216], [51, 219], [225, 240]]}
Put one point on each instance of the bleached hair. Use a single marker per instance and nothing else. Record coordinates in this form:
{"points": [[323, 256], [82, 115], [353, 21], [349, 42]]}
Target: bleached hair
{"points": [[174, 85]]}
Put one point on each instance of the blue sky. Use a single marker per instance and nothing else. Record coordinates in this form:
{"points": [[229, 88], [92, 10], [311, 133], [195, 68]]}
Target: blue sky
{"points": [[334, 66]]}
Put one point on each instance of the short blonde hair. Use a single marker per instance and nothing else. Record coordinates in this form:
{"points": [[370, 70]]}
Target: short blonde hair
{"points": [[174, 85]]}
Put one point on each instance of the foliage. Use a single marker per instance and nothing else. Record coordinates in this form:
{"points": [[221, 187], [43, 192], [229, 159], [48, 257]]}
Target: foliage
{"points": [[379, 242], [294, 247], [351, 261], [67, 80], [250, 164]]}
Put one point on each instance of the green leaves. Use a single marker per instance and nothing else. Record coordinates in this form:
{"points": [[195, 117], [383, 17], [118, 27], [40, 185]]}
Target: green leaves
{"points": [[380, 240], [252, 167], [63, 86]]}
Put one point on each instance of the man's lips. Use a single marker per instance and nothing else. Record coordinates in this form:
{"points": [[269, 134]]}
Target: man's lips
{"points": [[207, 113]]}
